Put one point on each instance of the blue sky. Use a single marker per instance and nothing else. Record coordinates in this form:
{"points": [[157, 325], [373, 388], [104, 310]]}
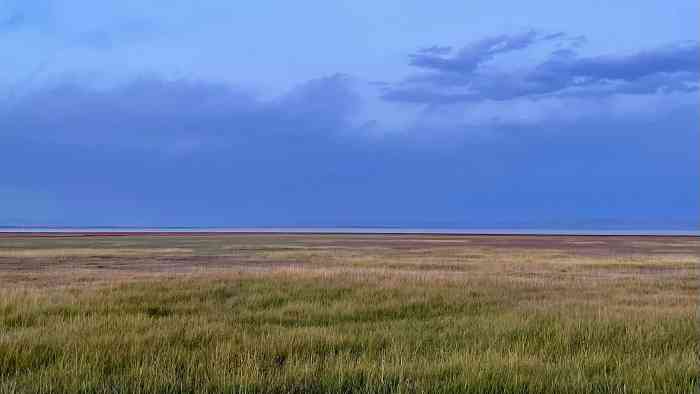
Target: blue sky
{"points": [[468, 114]]}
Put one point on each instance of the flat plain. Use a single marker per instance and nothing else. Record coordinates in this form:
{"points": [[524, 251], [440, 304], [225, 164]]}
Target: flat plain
{"points": [[293, 313]]}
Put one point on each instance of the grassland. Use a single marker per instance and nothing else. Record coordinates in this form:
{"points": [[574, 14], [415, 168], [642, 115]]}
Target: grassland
{"points": [[348, 314]]}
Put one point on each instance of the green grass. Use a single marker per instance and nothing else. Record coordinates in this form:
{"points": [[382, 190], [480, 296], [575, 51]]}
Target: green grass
{"points": [[299, 334], [351, 331]]}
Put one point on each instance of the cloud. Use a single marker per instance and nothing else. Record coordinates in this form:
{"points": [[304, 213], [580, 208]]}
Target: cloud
{"points": [[468, 58], [183, 152], [247, 174], [561, 141], [676, 58], [436, 50], [178, 114], [468, 76]]}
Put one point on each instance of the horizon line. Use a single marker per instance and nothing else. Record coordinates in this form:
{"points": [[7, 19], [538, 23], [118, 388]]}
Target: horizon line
{"points": [[331, 230]]}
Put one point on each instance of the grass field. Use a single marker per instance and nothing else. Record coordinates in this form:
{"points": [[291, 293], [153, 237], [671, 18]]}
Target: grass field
{"points": [[348, 314]]}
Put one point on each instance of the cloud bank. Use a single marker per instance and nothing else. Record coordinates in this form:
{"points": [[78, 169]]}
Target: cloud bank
{"points": [[562, 142], [154, 113]]}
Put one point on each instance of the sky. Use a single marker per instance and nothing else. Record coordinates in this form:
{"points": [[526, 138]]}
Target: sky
{"points": [[480, 114]]}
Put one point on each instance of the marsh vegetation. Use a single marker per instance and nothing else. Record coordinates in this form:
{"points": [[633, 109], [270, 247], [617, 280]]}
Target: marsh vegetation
{"points": [[348, 314]]}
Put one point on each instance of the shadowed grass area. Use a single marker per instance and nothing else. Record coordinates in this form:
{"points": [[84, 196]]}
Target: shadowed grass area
{"points": [[369, 321]]}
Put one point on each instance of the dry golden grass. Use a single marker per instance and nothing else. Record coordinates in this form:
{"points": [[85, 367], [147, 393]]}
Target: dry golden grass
{"points": [[291, 313]]}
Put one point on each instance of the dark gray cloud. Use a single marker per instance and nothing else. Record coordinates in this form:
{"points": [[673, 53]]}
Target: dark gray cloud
{"points": [[179, 152], [468, 58], [534, 175], [463, 76], [436, 50], [178, 113], [678, 58]]}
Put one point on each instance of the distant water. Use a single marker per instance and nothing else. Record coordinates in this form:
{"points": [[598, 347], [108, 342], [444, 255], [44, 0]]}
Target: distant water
{"points": [[349, 230]]}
